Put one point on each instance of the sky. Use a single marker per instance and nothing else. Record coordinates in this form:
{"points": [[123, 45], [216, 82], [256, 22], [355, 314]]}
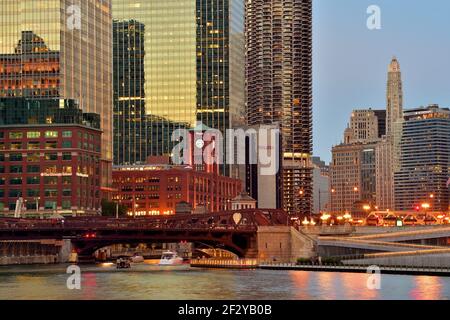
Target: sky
{"points": [[350, 61]]}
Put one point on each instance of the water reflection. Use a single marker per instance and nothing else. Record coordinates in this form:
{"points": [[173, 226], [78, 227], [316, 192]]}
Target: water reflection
{"points": [[149, 281]]}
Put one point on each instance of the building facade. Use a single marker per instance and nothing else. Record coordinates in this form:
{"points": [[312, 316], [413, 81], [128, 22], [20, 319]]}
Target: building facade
{"points": [[388, 149], [279, 88], [50, 153], [193, 64], [59, 49], [368, 125], [158, 189], [425, 160], [321, 180]]}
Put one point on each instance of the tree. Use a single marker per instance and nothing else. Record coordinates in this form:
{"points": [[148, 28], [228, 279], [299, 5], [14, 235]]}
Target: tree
{"points": [[109, 209]]}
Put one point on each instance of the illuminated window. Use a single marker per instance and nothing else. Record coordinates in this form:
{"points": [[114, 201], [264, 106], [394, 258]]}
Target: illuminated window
{"points": [[15, 135], [33, 134], [51, 134], [67, 134]]}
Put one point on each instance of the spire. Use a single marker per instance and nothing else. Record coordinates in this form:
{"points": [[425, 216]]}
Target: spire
{"points": [[394, 66]]}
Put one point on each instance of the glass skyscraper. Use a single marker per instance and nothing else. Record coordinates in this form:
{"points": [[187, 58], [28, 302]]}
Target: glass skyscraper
{"points": [[193, 65], [60, 49], [424, 160]]}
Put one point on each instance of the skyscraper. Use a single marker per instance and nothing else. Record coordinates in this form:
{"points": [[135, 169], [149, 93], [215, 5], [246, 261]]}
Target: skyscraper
{"points": [[425, 160], [130, 132], [394, 94], [279, 88], [388, 150], [193, 64], [71, 57]]}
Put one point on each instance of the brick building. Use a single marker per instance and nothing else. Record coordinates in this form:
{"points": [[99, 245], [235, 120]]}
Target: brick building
{"points": [[157, 189], [50, 155]]}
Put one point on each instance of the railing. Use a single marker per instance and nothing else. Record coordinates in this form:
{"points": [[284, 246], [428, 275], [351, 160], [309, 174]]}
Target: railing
{"points": [[229, 263]]}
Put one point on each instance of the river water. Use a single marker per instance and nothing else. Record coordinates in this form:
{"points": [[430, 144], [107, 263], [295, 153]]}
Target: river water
{"points": [[148, 281]]}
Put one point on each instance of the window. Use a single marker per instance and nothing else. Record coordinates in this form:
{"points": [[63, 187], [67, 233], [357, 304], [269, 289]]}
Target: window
{"points": [[33, 193], [67, 193], [67, 144], [67, 156], [33, 180], [34, 145], [2, 169], [33, 169], [50, 205], [51, 156], [12, 206], [2, 157], [15, 157], [51, 192], [50, 169], [31, 205], [2, 146], [15, 181], [16, 145], [33, 157], [51, 145], [13, 193], [2, 135], [2, 193], [66, 204], [15, 169], [15, 135], [51, 180], [67, 169], [67, 180], [67, 134], [33, 134], [51, 134], [2, 181]]}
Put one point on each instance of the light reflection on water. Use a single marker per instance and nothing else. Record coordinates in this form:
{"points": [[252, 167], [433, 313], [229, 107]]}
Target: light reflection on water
{"points": [[149, 281]]}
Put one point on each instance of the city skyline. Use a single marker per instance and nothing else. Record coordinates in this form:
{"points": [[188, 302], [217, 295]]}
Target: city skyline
{"points": [[354, 75]]}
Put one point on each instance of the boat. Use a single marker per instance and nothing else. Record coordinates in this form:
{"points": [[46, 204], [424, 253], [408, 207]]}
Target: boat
{"points": [[170, 258], [123, 264], [137, 258]]}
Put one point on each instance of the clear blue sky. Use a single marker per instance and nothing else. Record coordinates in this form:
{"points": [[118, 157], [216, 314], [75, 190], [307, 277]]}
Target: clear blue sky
{"points": [[350, 61]]}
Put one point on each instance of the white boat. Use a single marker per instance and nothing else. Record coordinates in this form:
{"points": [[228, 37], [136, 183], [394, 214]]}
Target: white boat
{"points": [[136, 258], [170, 258]]}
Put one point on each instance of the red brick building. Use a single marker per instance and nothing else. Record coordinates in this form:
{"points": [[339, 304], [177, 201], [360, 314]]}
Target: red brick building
{"points": [[51, 168], [157, 189]]}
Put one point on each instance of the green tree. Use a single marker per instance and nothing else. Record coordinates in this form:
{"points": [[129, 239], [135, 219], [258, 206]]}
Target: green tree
{"points": [[109, 209]]}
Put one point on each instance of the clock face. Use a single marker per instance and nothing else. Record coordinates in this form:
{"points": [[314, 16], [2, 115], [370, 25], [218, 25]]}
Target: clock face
{"points": [[199, 143]]}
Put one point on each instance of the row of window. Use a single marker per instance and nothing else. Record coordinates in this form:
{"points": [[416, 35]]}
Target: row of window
{"points": [[36, 157], [47, 134], [36, 180], [35, 145]]}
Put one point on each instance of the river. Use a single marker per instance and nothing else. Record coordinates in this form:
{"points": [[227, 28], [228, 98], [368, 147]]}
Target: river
{"points": [[148, 281]]}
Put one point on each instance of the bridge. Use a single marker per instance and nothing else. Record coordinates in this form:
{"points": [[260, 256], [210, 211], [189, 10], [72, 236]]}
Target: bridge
{"points": [[235, 231]]}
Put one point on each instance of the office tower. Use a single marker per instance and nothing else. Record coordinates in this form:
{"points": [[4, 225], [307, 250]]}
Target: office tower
{"points": [[60, 49], [193, 64], [425, 160], [49, 158], [264, 188], [384, 173], [130, 131], [368, 125], [279, 88], [394, 94], [388, 150], [352, 175], [321, 178]]}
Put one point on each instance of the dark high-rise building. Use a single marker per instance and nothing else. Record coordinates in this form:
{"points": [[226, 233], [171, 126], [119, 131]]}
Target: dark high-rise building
{"points": [[424, 160], [130, 126], [193, 64], [279, 88]]}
